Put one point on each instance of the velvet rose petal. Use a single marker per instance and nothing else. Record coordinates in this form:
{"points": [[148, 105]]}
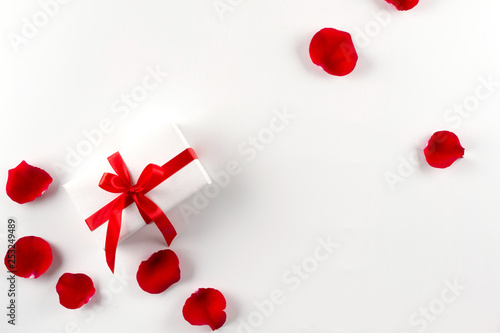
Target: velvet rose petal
{"points": [[74, 290], [333, 51], [25, 183], [403, 4], [443, 149], [159, 272], [29, 257], [205, 307]]}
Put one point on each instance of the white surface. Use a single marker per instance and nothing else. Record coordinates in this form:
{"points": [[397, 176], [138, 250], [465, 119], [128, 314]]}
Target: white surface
{"points": [[322, 175], [158, 147]]}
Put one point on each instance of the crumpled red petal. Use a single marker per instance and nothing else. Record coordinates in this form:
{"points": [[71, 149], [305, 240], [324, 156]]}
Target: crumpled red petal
{"points": [[75, 290], [29, 257], [25, 183], [443, 149], [333, 50], [403, 4], [205, 307], [159, 272]]}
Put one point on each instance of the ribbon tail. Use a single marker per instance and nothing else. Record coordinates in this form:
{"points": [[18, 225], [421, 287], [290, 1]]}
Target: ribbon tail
{"points": [[102, 215], [113, 234], [166, 228], [156, 215]]}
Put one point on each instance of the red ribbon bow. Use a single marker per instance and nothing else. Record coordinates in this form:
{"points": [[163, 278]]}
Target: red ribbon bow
{"points": [[151, 176]]}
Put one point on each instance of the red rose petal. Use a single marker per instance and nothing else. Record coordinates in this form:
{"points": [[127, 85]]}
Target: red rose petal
{"points": [[29, 257], [159, 272], [26, 183], [403, 4], [333, 51], [75, 290], [205, 307], [443, 149]]}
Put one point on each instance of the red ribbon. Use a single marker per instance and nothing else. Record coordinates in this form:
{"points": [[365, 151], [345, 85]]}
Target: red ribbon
{"points": [[151, 176]]}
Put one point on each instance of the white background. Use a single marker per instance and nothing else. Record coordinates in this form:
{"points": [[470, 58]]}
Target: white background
{"points": [[323, 176]]}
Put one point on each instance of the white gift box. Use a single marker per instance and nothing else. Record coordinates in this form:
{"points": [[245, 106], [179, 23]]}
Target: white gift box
{"points": [[157, 147]]}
